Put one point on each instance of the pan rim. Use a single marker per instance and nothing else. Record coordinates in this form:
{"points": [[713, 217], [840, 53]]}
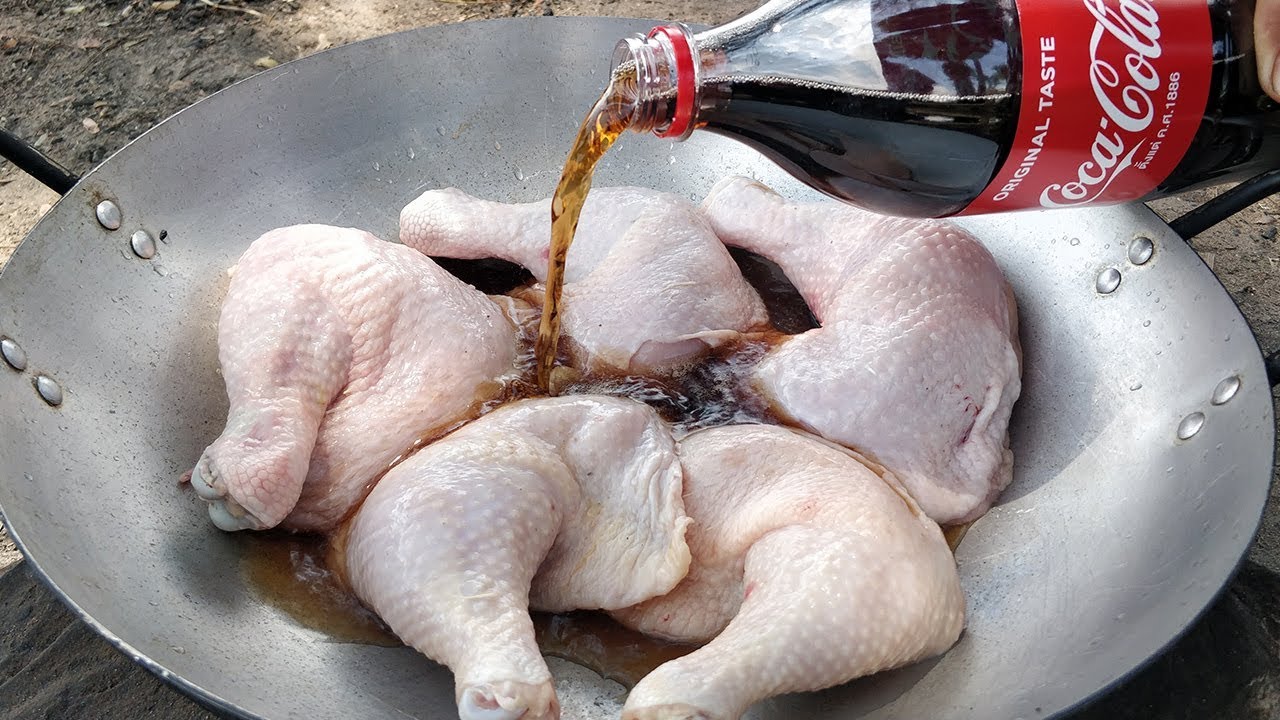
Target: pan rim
{"points": [[189, 689], [1257, 357]]}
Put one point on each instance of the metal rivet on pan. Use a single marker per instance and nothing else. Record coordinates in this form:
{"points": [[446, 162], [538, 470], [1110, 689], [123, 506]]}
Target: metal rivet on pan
{"points": [[49, 390], [144, 246], [1108, 281], [1140, 250], [1226, 390], [15, 356], [1190, 425], [108, 215]]}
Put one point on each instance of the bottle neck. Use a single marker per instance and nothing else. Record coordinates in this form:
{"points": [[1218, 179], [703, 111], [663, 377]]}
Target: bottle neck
{"points": [[660, 74]]}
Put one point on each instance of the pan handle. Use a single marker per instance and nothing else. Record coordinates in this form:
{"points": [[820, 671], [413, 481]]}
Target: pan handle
{"points": [[26, 158], [1222, 207], [1227, 204]]}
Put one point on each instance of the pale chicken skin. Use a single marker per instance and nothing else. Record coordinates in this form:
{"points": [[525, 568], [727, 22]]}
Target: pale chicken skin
{"points": [[648, 286], [338, 350], [810, 568], [583, 491], [916, 363]]}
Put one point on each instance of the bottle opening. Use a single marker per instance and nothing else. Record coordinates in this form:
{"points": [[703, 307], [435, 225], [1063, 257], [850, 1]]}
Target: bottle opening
{"points": [[657, 75], [677, 41]]}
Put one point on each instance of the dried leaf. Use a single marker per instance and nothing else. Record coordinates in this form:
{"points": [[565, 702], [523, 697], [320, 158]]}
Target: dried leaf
{"points": [[164, 6], [217, 6], [322, 42], [91, 125], [179, 85], [99, 104], [73, 9], [9, 43], [266, 62], [88, 43]]}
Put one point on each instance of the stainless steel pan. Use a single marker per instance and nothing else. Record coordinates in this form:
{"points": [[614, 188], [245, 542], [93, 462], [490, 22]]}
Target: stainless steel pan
{"points": [[1143, 436]]}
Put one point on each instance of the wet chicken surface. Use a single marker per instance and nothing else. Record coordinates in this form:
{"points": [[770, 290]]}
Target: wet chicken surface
{"points": [[659, 489]]}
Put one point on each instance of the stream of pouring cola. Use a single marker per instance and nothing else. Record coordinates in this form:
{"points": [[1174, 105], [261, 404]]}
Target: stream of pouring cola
{"points": [[608, 119]]}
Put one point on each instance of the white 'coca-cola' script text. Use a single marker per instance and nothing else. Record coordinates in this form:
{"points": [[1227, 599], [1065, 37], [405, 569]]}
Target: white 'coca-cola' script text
{"points": [[1130, 34]]}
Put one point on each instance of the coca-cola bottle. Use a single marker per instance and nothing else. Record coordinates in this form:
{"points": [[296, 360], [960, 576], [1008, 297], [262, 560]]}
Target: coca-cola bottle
{"points": [[931, 108]]}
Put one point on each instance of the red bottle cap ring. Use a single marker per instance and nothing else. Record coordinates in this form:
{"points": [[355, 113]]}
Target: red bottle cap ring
{"points": [[685, 90]]}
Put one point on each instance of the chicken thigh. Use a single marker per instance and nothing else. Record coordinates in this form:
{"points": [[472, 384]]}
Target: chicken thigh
{"points": [[339, 350], [585, 491], [810, 568], [916, 363], [647, 285]]}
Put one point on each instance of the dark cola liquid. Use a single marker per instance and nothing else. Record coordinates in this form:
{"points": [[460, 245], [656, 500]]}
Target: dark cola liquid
{"points": [[882, 151], [921, 134]]}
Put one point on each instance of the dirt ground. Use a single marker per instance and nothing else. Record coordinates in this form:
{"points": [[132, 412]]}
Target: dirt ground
{"points": [[9, 554], [80, 78]]}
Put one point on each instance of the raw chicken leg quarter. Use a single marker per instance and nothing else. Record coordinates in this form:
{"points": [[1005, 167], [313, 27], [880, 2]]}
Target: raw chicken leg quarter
{"points": [[583, 491], [648, 286], [809, 569], [338, 351], [917, 361]]}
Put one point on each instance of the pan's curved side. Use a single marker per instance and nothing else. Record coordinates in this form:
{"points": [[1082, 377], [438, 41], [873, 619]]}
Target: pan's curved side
{"points": [[1114, 536]]}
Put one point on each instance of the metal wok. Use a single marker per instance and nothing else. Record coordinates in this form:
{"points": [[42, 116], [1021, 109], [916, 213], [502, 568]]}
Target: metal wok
{"points": [[1121, 525]]}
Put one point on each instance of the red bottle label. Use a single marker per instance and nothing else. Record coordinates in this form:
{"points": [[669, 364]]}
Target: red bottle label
{"points": [[1113, 92]]}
